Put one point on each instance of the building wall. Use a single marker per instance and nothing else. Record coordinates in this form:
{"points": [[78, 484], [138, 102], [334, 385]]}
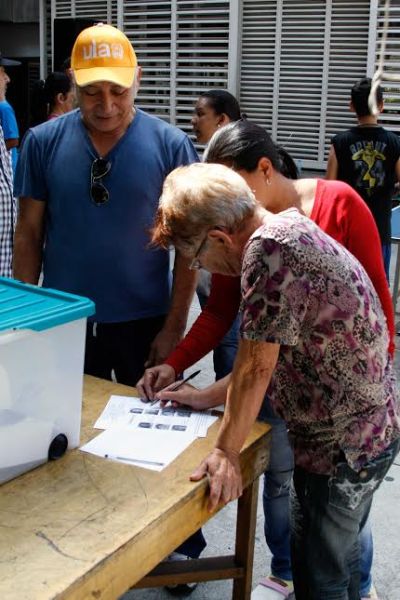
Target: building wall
{"points": [[291, 63]]}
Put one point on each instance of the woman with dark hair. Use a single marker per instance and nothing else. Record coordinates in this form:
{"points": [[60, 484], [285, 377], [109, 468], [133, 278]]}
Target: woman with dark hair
{"points": [[51, 98], [340, 212], [213, 109]]}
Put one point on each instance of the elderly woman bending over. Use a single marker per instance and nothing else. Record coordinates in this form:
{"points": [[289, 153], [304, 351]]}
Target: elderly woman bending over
{"points": [[314, 334]]}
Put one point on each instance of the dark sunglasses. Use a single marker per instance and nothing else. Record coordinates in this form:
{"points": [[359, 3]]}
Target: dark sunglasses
{"points": [[98, 192]]}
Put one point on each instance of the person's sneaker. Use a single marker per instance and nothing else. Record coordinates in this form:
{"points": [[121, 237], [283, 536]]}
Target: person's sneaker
{"points": [[273, 588], [372, 595], [181, 589]]}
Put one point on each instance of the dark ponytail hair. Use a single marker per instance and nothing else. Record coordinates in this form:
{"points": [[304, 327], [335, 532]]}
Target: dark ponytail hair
{"points": [[221, 102], [288, 167], [44, 93], [242, 144]]}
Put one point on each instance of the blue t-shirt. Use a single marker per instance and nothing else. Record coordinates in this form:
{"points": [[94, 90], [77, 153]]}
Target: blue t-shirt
{"points": [[102, 252], [10, 128]]}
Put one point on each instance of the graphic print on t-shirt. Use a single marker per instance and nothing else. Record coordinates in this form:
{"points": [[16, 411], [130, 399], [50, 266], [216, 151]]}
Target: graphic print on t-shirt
{"points": [[368, 157]]}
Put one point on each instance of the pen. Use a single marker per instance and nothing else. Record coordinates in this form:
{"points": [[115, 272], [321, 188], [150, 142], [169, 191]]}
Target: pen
{"points": [[135, 460], [178, 385]]}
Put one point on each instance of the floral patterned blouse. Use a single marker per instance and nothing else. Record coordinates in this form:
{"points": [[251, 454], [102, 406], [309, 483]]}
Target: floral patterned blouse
{"points": [[333, 383]]}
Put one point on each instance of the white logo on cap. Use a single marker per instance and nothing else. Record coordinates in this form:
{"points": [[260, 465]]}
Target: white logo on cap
{"points": [[102, 50]]}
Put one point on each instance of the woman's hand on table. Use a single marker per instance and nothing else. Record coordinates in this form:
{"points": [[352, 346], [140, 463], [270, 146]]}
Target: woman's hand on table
{"points": [[223, 471]]}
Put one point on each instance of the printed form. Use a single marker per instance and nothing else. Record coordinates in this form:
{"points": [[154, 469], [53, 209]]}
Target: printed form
{"points": [[146, 435]]}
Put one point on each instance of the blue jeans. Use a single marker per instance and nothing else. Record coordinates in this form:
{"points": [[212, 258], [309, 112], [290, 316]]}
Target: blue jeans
{"points": [[276, 504], [276, 492], [386, 252], [193, 546], [225, 353], [328, 513]]}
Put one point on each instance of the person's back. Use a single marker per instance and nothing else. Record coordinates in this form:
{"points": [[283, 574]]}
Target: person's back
{"points": [[367, 157], [317, 301]]}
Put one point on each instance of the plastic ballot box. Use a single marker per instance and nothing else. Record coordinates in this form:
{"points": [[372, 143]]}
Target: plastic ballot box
{"points": [[42, 339]]}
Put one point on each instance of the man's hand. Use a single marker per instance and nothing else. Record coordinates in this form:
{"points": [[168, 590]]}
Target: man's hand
{"points": [[163, 344], [154, 380], [223, 471]]}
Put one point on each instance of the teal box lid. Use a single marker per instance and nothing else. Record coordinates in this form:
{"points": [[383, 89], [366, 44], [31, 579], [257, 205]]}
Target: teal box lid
{"points": [[25, 306]]}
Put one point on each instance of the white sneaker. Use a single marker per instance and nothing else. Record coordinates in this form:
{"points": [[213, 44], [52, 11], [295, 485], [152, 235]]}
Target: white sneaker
{"points": [[273, 588], [372, 595], [180, 589]]}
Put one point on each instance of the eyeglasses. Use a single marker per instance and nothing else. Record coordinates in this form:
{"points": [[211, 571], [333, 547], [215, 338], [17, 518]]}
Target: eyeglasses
{"points": [[195, 265], [98, 192]]}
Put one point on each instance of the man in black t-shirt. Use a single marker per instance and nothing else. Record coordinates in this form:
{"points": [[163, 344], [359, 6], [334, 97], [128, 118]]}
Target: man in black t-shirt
{"points": [[367, 157]]}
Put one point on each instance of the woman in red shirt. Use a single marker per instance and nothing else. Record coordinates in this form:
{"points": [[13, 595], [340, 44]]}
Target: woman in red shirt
{"points": [[340, 212]]}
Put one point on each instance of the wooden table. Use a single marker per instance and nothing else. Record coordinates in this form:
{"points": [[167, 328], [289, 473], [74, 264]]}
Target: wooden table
{"points": [[87, 528]]}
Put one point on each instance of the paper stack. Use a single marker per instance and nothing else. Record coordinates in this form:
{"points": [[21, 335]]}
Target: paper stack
{"points": [[146, 435]]}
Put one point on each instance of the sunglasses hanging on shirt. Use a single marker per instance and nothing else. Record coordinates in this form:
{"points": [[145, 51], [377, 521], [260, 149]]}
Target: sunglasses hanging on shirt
{"points": [[98, 191]]}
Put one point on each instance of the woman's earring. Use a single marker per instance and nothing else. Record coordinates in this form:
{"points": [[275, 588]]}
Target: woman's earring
{"points": [[267, 181]]}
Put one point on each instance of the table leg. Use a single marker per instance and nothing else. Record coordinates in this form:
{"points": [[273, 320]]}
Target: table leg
{"points": [[245, 537]]}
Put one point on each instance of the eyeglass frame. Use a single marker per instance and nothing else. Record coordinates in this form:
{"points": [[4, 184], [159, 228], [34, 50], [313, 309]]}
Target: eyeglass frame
{"points": [[94, 181], [195, 264]]}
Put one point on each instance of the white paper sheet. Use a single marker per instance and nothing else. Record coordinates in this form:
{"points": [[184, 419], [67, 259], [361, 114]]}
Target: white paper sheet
{"points": [[130, 411], [149, 449]]}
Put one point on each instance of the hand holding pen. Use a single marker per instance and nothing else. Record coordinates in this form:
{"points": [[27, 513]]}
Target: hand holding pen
{"points": [[174, 387]]}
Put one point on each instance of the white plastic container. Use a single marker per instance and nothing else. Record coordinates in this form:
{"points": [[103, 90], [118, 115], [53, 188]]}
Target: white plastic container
{"points": [[42, 338]]}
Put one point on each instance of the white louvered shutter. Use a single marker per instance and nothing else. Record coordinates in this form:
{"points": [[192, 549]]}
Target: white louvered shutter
{"points": [[148, 26], [259, 53], [101, 10], [348, 61], [183, 48], [98, 10], [298, 63], [301, 72], [390, 117], [202, 52]]}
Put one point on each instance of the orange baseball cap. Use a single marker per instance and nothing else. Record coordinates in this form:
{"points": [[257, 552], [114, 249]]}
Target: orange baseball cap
{"points": [[103, 53]]}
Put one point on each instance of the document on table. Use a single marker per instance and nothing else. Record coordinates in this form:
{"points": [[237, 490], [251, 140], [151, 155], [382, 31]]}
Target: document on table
{"points": [[139, 447], [131, 412], [146, 435]]}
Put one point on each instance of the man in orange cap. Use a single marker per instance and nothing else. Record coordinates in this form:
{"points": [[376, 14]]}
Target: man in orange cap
{"points": [[89, 184]]}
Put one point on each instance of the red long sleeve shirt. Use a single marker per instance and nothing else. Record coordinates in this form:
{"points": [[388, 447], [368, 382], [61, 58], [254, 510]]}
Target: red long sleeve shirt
{"points": [[343, 215]]}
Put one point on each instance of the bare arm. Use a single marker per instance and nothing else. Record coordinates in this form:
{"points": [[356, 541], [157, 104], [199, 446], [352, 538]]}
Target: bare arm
{"points": [[254, 365], [28, 241], [332, 168], [184, 285], [12, 143], [397, 169]]}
